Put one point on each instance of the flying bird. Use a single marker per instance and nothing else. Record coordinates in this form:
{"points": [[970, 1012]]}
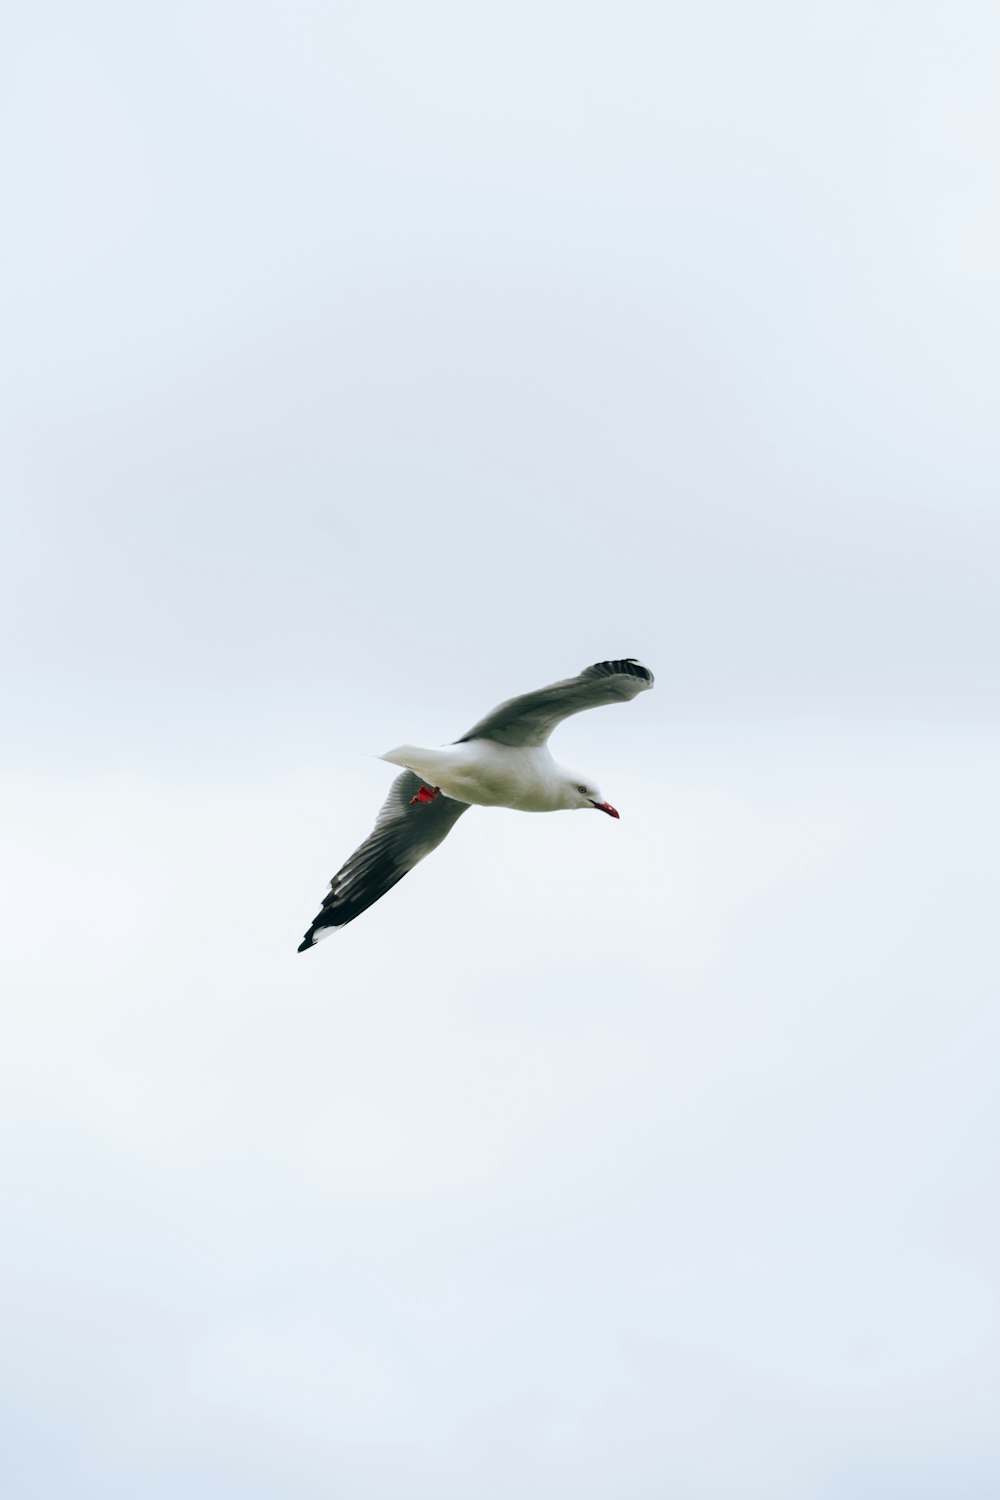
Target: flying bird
{"points": [[503, 761]]}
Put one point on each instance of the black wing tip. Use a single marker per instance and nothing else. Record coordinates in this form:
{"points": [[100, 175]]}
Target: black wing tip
{"points": [[628, 666], [317, 930]]}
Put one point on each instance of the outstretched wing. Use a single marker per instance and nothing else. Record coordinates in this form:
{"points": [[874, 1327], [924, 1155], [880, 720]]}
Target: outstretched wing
{"points": [[530, 719], [403, 834]]}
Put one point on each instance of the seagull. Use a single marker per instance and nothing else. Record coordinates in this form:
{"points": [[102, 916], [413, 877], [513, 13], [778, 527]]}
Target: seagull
{"points": [[503, 761]]}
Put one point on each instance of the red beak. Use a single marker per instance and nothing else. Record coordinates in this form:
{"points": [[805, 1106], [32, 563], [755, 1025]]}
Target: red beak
{"points": [[612, 812]]}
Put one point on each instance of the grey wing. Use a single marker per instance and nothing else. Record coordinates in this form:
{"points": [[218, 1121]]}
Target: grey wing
{"points": [[404, 833], [530, 719]]}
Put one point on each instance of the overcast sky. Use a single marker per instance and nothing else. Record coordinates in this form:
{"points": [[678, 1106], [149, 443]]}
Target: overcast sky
{"points": [[364, 365]]}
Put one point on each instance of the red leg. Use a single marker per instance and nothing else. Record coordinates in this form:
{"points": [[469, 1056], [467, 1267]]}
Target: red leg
{"points": [[425, 794]]}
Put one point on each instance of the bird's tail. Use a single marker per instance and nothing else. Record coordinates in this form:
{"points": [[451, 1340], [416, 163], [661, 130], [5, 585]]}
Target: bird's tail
{"points": [[430, 765], [403, 755]]}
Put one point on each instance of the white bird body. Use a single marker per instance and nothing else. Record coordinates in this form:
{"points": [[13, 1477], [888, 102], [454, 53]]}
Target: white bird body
{"points": [[488, 774]]}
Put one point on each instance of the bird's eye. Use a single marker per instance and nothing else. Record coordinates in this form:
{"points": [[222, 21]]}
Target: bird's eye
{"points": [[582, 789]]}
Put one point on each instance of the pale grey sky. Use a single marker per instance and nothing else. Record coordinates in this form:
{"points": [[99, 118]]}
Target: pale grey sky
{"points": [[364, 365]]}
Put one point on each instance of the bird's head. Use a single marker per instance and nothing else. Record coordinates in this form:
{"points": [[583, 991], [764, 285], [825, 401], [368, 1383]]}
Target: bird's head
{"points": [[579, 792]]}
